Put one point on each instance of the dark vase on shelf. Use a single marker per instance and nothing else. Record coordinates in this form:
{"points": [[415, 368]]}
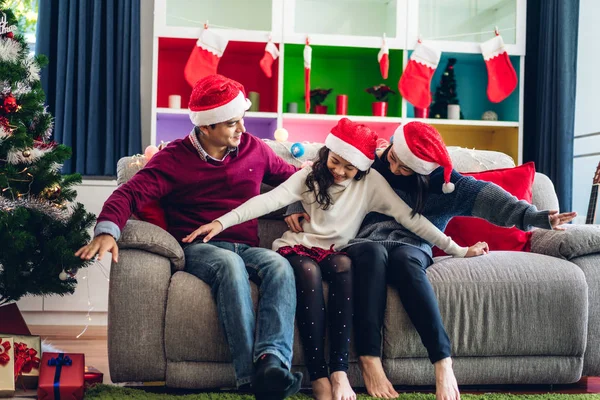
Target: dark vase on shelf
{"points": [[320, 109], [379, 108]]}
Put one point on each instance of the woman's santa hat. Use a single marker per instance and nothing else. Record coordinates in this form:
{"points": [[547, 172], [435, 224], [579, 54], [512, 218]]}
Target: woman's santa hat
{"points": [[355, 143], [215, 99], [421, 147]]}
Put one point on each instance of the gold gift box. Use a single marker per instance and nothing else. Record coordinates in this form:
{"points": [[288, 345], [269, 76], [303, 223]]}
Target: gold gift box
{"points": [[7, 367], [33, 345]]}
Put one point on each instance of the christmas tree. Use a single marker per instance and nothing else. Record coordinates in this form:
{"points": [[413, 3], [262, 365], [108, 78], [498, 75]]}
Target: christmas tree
{"points": [[40, 229], [445, 93]]}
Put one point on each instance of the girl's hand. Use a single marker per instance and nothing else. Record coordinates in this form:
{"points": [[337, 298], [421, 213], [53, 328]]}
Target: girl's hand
{"points": [[556, 219], [210, 230], [478, 249]]}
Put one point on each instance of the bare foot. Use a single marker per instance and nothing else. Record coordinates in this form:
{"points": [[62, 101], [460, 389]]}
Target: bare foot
{"points": [[322, 389], [341, 386], [446, 387], [376, 382]]}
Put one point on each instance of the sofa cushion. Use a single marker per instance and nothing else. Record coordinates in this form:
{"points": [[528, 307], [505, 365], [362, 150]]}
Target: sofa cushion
{"points": [[575, 241], [145, 236], [500, 304], [467, 231]]}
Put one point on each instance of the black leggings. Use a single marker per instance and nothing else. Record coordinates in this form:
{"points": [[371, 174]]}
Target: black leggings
{"points": [[310, 313], [403, 268]]}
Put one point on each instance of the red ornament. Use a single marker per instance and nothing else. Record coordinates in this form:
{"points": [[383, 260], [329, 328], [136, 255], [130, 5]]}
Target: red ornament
{"points": [[4, 122], [10, 104], [10, 35]]}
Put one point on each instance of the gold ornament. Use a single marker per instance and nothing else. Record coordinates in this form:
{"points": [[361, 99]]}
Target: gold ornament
{"points": [[26, 153], [51, 192]]}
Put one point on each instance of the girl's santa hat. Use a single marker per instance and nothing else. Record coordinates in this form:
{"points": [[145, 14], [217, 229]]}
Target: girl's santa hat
{"points": [[353, 142], [215, 99], [421, 147]]}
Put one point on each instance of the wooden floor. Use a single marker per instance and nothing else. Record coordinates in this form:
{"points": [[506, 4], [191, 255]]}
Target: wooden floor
{"points": [[93, 344]]}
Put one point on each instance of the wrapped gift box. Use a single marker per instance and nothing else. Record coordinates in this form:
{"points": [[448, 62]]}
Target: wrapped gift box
{"points": [[11, 320], [7, 367], [27, 352], [92, 376], [61, 377]]}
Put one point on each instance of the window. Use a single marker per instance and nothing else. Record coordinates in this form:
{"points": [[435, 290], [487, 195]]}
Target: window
{"points": [[26, 12]]}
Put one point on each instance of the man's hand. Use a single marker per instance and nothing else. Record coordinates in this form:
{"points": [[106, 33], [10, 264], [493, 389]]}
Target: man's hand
{"points": [[210, 230], [100, 245], [556, 219], [478, 249], [293, 221]]}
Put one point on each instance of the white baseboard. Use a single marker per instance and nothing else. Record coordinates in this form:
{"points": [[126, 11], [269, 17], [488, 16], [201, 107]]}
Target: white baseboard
{"points": [[65, 318]]}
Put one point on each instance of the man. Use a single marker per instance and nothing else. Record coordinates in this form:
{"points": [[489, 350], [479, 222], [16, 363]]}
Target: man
{"points": [[216, 168]]}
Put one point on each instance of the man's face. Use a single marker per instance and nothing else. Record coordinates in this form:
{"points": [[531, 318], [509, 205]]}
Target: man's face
{"points": [[396, 165], [225, 134]]}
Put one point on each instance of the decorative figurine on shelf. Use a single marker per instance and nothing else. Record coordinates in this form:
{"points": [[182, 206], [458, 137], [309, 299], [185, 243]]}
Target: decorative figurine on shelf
{"points": [[317, 97], [489, 116], [297, 150], [381, 93], [445, 95]]}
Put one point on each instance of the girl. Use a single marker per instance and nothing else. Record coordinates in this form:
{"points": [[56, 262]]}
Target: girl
{"points": [[338, 191]]}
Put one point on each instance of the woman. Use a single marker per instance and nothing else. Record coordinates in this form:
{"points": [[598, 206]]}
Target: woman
{"points": [[384, 252]]}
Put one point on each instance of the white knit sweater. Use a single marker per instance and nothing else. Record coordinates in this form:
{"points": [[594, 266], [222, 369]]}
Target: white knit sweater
{"points": [[352, 201]]}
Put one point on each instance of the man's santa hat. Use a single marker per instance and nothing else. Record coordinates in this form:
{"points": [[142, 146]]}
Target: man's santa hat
{"points": [[355, 143], [421, 147], [215, 99]]}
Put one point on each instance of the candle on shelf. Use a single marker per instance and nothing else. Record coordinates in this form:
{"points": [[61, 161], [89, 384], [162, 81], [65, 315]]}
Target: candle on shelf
{"points": [[174, 101]]}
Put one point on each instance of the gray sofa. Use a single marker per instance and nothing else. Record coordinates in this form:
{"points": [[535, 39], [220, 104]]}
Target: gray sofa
{"points": [[513, 318]]}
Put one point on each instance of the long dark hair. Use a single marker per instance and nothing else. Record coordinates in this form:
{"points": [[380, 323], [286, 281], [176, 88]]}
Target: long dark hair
{"points": [[320, 179], [421, 185]]}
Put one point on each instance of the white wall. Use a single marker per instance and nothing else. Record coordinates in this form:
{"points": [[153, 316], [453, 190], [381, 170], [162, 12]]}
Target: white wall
{"points": [[146, 41], [586, 106]]}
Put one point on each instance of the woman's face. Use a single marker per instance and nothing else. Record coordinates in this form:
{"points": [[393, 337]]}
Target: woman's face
{"points": [[340, 168], [396, 166]]}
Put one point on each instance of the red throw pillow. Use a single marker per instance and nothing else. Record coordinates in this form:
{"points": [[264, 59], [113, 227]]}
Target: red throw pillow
{"points": [[154, 214], [466, 231]]}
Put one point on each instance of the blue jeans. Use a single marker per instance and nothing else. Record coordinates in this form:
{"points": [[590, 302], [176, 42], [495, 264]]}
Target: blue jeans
{"points": [[226, 267]]}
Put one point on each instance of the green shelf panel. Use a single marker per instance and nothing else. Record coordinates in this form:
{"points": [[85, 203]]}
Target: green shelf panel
{"points": [[347, 70]]}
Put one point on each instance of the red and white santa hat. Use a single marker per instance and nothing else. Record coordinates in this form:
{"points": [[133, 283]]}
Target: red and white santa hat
{"points": [[354, 142], [421, 147], [215, 99]]}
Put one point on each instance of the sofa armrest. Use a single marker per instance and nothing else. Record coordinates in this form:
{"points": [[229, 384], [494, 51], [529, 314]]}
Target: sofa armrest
{"points": [[142, 235], [575, 241]]}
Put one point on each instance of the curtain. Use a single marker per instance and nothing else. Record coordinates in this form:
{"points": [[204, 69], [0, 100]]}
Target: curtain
{"points": [[92, 82], [550, 84]]}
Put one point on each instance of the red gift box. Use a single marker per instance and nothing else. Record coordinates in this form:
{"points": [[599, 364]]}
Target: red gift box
{"points": [[11, 321], [92, 376], [61, 377]]}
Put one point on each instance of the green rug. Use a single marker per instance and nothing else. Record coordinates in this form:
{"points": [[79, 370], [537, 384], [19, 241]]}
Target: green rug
{"points": [[109, 392]]}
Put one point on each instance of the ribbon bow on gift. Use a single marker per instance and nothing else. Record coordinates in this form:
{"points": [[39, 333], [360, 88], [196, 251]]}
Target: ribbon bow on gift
{"points": [[25, 359], [60, 360], [4, 354]]}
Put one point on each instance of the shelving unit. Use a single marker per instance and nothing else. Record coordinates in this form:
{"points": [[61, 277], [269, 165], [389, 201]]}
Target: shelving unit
{"points": [[345, 36]]}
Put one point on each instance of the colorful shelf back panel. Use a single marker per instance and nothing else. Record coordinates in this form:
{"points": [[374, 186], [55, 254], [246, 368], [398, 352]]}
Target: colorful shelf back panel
{"points": [[458, 18], [177, 126], [301, 130], [471, 87], [235, 14], [346, 70], [342, 17], [240, 61]]}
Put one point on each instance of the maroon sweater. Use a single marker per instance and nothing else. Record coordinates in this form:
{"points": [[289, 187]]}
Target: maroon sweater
{"points": [[194, 192]]}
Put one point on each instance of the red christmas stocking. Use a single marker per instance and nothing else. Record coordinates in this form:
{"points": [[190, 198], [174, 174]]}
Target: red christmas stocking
{"points": [[307, 64], [205, 56], [271, 54], [384, 60], [416, 79], [502, 78]]}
